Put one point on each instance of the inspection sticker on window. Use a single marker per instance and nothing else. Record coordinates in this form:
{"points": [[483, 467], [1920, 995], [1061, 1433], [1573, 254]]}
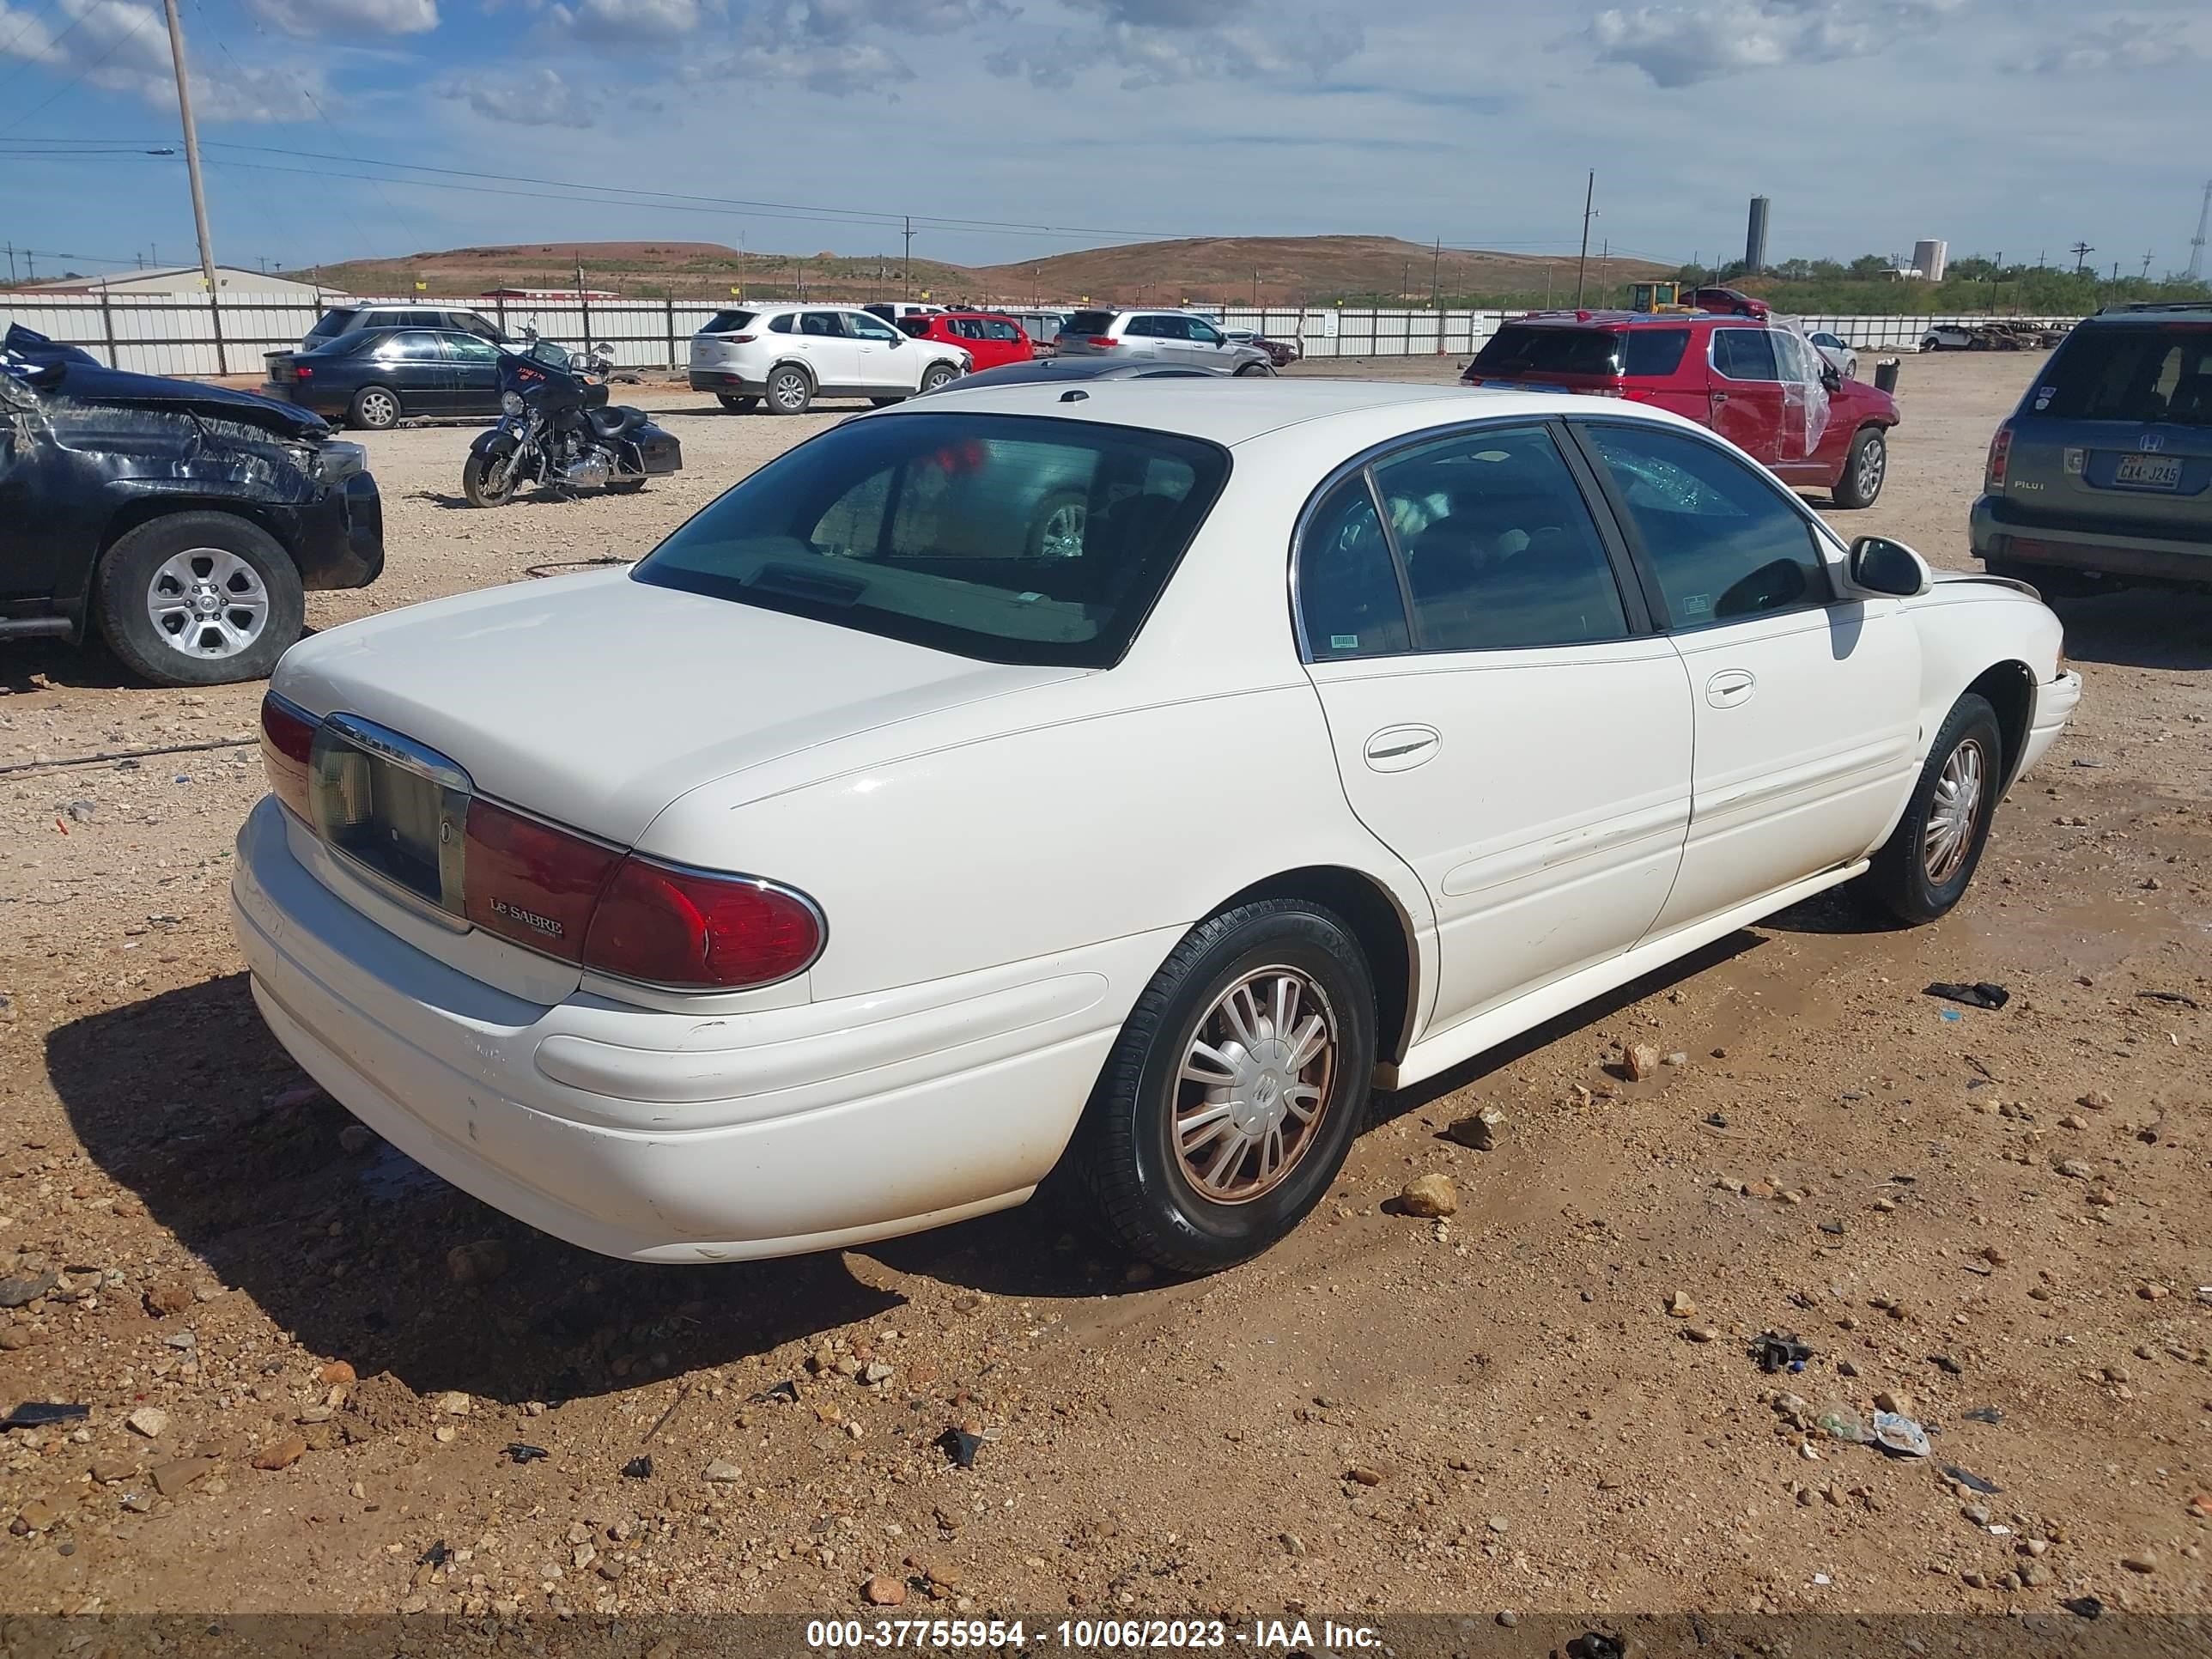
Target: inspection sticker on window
{"points": [[1344, 641], [1698, 605]]}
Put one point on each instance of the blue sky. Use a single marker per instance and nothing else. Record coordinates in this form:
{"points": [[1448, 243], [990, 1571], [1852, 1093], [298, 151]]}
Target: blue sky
{"points": [[2012, 126]]}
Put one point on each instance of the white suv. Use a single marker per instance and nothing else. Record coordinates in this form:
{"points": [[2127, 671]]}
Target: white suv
{"points": [[793, 353]]}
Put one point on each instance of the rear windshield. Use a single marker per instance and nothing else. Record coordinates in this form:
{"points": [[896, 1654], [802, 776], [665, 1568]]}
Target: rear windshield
{"points": [[2130, 372], [1521, 348], [1088, 322], [1010, 538], [916, 325], [729, 322], [330, 323]]}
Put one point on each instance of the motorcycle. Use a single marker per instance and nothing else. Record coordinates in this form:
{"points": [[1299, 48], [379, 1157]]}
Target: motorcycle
{"points": [[556, 428]]}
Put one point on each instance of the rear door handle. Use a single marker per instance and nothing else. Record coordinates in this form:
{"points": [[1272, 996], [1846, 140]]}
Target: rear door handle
{"points": [[1729, 687], [1401, 748]]}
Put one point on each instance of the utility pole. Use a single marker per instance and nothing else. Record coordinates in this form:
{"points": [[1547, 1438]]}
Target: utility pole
{"points": [[192, 145], [11, 264], [1589, 195], [1436, 270], [2196, 242], [1604, 272], [2080, 251], [2147, 253], [909, 255]]}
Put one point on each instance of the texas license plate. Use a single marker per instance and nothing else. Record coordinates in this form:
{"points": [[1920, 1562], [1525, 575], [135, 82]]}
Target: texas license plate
{"points": [[2148, 472]]}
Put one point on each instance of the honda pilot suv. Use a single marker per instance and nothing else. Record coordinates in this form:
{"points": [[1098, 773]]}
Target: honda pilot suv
{"points": [[2102, 477], [1759, 384]]}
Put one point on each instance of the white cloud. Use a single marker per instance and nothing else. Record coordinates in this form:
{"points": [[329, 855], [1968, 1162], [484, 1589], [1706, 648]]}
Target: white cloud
{"points": [[840, 67], [123, 46], [541, 99], [347, 16], [844, 19], [1155, 43], [1678, 45], [2124, 43], [633, 22]]}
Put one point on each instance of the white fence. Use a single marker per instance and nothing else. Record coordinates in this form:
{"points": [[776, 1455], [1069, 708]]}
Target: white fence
{"points": [[229, 333]]}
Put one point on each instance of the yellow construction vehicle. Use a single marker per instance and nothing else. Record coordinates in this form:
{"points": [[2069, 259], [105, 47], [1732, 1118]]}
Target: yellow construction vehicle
{"points": [[1655, 297]]}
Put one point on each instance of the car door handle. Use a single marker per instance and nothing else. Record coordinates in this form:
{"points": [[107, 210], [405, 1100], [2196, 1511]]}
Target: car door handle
{"points": [[1720, 397], [1401, 748], [1729, 687]]}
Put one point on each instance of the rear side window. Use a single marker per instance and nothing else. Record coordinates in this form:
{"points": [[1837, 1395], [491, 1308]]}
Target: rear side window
{"points": [[1499, 548], [729, 322], [2130, 372], [1525, 349], [1089, 322], [1744, 353], [780, 323], [1653, 353], [1725, 543], [1349, 601], [1009, 538]]}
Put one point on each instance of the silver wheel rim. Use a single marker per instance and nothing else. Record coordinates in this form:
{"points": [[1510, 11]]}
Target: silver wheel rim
{"points": [[1062, 535], [1872, 459], [1254, 1083], [936, 377], [790, 391], [379, 408], [208, 604], [1949, 835]]}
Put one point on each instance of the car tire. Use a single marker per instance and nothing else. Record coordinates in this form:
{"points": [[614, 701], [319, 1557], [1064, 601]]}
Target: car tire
{"points": [[884, 402], [1144, 1185], [790, 390], [375, 409], [937, 376], [1923, 868], [1254, 368], [1865, 467], [213, 576], [735, 404]]}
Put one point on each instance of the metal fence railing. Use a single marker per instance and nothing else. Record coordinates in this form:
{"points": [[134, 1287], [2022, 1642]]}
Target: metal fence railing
{"points": [[230, 334]]}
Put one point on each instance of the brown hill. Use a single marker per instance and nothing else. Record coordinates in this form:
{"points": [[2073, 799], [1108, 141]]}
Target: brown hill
{"points": [[1278, 270]]}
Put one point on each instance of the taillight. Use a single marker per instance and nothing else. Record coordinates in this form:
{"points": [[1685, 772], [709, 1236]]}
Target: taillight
{"points": [[556, 893], [2000, 453], [301, 372], [1102, 341], [737, 339], [287, 739], [530, 883], [691, 930]]}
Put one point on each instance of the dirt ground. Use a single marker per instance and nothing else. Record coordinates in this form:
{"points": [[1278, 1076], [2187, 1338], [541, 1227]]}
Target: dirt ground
{"points": [[301, 1399]]}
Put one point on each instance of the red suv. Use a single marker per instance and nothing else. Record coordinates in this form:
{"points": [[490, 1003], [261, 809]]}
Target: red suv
{"points": [[990, 337], [1761, 384]]}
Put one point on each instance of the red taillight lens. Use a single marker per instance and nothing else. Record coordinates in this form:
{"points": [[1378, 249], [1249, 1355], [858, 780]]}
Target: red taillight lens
{"points": [[287, 739], [698, 931], [737, 339], [532, 884], [1102, 341], [2000, 453], [301, 372]]}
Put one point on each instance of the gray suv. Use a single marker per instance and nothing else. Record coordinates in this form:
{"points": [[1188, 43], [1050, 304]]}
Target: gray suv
{"points": [[2103, 476], [1174, 337]]}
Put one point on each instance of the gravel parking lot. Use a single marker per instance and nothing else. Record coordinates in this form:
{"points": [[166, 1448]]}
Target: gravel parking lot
{"points": [[305, 1359]]}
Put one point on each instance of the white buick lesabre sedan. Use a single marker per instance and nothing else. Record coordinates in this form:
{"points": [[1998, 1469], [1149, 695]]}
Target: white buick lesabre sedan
{"points": [[1135, 775]]}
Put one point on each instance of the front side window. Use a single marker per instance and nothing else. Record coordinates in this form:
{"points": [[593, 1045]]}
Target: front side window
{"points": [[1744, 353], [995, 329], [1725, 544], [1499, 548], [472, 348], [1203, 331], [1349, 601], [1009, 538], [869, 328]]}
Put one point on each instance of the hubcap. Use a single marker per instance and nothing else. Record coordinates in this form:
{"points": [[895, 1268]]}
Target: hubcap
{"points": [[379, 410], [1254, 1083], [1951, 817], [208, 603], [790, 391], [1871, 462]]}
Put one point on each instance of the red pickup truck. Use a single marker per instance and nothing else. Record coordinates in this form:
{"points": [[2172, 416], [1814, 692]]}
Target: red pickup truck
{"points": [[1759, 384]]}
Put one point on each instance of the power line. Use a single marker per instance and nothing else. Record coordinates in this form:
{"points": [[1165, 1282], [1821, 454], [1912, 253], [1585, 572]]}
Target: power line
{"points": [[121, 41]]}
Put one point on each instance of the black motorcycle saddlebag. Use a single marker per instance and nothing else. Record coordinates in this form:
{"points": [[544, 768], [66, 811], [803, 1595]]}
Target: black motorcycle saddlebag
{"points": [[658, 450]]}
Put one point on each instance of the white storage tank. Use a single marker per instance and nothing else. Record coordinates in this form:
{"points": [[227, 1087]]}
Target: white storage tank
{"points": [[1928, 258]]}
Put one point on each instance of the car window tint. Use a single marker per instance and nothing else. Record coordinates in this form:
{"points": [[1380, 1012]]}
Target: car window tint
{"points": [[998, 331], [869, 328], [1006, 537], [1744, 353], [2130, 372], [329, 324], [1725, 542], [1650, 352], [1088, 322], [728, 322], [1499, 547], [1521, 348], [472, 347], [1349, 603], [820, 322], [780, 323], [412, 345], [1198, 328]]}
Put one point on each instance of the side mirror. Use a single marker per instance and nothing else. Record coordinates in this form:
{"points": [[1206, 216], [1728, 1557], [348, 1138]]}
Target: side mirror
{"points": [[1832, 377], [1882, 566]]}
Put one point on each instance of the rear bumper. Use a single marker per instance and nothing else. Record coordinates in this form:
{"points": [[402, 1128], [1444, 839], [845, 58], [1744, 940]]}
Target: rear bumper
{"points": [[2001, 537], [656, 1136], [728, 382]]}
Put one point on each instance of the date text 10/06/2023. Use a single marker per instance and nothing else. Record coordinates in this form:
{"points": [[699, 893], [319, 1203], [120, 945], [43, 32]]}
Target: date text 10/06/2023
{"points": [[1283, 1635]]}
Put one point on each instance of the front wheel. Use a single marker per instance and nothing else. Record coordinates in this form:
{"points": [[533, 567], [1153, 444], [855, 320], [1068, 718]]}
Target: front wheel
{"points": [[1235, 1090], [1923, 869], [199, 599], [937, 376], [490, 480], [1254, 368], [1864, 469]]}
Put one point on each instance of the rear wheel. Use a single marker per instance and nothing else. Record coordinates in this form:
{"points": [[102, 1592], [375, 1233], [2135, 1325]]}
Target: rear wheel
{"points": [[790, 391], [199, 599], [885, 402], [1864, 469], [377, 408], [1923, 869], [1235, 1090], [736, 404], [489, 480]]}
